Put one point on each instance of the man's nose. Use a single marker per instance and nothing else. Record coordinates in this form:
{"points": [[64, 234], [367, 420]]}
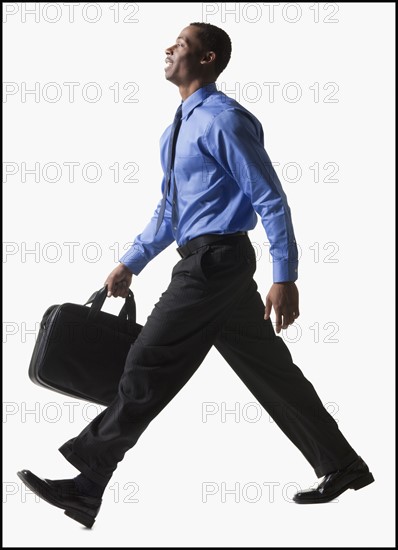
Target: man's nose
{"points": [[169, 50]]}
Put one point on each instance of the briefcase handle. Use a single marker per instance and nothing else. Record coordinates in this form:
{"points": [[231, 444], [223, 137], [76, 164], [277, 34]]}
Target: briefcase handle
{"points": [[127, 313]]}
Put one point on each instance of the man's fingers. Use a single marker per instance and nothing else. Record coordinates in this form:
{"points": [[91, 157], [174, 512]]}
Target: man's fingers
{"points": [[268, 307], [118, 281], [122, 289], [112, 286], [119, 288], [278, 319], [287, 320], [108, 283], [284, 300], [289, 317]]}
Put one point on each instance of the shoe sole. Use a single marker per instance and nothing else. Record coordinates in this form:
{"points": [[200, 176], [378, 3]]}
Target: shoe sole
{"points": [[356, 484], [77, 515]]}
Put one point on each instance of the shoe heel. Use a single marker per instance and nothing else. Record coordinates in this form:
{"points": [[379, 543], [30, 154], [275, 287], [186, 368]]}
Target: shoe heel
{"points": [[362, 481], [81, 517]]}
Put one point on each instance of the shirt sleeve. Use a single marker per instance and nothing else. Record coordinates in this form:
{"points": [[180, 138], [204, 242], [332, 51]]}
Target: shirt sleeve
{"points": [[147, 245], [236, 142]]}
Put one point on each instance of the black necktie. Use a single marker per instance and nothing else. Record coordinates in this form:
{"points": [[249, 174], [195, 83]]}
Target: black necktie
{"points": [[170, 161]]}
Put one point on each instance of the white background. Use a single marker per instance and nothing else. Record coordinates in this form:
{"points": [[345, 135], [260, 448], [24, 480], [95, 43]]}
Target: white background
{"points": [[354, 376]]}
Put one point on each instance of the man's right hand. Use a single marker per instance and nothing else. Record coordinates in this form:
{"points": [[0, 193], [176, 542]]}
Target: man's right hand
{"points": [[119, 281]]}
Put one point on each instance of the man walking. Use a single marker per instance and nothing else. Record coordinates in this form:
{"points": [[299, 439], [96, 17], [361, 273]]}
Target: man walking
{"points": [[217, 178]]}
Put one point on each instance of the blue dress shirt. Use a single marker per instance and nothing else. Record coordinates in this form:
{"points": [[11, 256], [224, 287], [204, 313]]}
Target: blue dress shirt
{"points": [[223, 178]]}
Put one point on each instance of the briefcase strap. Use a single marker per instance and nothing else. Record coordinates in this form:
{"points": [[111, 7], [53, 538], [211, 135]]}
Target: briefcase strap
{"points": [[97, 299]]}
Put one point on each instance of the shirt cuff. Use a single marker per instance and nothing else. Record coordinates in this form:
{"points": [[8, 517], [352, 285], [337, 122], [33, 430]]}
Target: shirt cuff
{"points": [[285, 271], [134, 260]]}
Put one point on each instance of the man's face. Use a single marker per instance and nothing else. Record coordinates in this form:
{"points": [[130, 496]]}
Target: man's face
{"points": [[183, 61]]}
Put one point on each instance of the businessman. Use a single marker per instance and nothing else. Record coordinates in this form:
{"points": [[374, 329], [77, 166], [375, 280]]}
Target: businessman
{"points": [[217, 179]]}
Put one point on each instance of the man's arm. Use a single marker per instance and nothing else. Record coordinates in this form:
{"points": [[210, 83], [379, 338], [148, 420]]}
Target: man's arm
{"points": [[145, 247], [237, 144]]}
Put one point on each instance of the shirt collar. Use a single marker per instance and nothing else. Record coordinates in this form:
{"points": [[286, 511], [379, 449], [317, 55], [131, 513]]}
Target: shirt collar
{"points": [[197, 98]]}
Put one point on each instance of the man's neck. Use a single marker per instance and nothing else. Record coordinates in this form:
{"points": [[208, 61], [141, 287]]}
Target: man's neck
{"points": [[188, 89]]}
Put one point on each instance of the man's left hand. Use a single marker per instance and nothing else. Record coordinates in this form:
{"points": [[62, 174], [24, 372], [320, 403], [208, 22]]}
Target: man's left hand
{"points": [[284, 298]]}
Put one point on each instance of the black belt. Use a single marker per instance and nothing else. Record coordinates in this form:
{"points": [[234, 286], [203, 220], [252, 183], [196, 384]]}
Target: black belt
{"points": [[193, 244]]}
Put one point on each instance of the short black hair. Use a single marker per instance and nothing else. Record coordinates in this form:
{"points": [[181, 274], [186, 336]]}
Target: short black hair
{"points": [[216, 40]]}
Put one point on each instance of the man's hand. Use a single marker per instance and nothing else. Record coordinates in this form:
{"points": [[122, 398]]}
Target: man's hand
{"points": [[283, 297], [119, 281]]}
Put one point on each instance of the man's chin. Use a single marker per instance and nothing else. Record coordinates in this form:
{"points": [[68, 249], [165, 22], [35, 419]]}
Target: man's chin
{"points": [[170, 78]]}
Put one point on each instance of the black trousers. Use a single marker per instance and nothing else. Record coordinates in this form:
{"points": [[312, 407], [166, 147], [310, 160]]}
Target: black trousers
{"points": [[212, 299]]}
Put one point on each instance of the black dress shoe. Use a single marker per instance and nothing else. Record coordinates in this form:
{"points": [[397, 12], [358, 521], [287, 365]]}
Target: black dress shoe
{"points": [[64, 494], [355, 476]]}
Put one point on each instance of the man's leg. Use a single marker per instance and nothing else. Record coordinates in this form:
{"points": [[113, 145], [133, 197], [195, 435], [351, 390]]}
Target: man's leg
{"points": [[263, 362], [173, 343]]}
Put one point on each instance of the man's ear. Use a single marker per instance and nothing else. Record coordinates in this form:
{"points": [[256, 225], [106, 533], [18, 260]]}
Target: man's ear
{"points": [[208, 57]]}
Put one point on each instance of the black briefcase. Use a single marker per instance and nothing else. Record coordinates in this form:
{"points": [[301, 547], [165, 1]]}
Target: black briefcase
{"points": [[81, 351]]}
